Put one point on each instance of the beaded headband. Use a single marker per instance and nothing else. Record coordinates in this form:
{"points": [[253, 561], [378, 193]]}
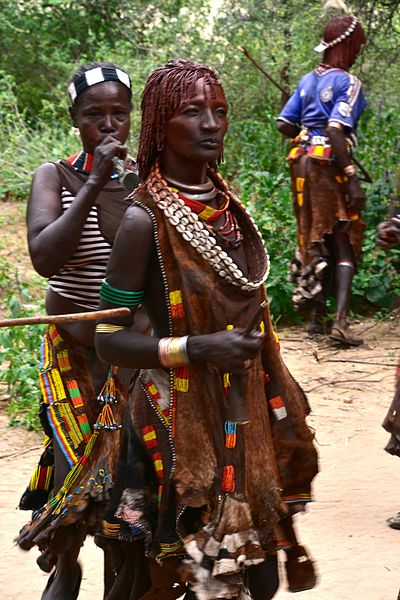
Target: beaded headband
{"points": [[322, 46], [97, 75]]}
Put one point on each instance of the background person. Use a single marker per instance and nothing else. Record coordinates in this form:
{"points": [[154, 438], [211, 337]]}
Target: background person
{"points": [[73, 213], [321, 117]]}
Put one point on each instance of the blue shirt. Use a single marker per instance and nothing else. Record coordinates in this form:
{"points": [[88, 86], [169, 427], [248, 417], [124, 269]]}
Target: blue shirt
{"points": [[320, 97]]}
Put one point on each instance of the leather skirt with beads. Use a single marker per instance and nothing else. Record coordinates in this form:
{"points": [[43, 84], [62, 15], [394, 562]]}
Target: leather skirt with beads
{"points": [[88, 438], [201, 487]]}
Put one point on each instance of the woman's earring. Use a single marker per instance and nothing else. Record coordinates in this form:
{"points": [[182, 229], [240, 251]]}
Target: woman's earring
{"points": [[160, 146]]}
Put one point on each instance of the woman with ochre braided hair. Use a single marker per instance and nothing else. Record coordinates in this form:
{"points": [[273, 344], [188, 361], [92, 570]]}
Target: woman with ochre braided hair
{"points": [[211, 496], [321, 117], [73, 213]]}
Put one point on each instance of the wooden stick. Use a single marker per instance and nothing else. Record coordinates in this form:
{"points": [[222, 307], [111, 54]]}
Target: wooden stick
{"points": [[68, 318], [264, 72]]}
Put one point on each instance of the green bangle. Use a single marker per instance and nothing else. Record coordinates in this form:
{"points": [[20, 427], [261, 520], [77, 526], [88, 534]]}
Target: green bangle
{"points": [[120, 297]]}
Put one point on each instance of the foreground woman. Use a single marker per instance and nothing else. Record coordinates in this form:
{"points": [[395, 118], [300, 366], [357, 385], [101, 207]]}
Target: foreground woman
{"points": [[211, 497], [74, 210], [322, 117]]}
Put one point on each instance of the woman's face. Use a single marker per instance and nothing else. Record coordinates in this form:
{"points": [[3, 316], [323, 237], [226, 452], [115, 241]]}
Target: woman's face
{"points": [[196, 130], [101, 111]]}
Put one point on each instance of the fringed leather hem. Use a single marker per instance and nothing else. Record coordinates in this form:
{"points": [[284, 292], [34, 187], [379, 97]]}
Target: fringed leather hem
{"points": [[217, 562]]}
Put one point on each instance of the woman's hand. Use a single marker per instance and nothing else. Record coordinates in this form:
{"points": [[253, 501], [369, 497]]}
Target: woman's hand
{"points": [[103, 157], [388, 233], [355, 197], [227, 350]]}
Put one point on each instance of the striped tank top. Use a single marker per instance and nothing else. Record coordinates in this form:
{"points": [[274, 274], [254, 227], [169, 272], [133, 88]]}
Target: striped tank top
{"points": [[80, 278]]}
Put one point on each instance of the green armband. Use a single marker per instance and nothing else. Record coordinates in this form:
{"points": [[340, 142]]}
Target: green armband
{"points": [[120, 297]]}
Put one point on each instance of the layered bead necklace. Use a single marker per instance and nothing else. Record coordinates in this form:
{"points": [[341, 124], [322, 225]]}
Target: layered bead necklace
{"points": [[179, 209], [195, 197], [83, 163]]}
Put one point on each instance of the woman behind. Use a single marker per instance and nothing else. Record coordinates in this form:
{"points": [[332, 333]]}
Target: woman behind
{"points": [[74, 210], [322, 116], [210, 496]]}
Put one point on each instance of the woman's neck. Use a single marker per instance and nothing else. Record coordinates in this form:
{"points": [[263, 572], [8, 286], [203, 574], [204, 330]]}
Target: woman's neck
{"points": [[186, 173]]}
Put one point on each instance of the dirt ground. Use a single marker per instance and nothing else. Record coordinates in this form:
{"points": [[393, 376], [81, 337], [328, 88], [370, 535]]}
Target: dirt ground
{"points": [[356, 554], [358, 486]]}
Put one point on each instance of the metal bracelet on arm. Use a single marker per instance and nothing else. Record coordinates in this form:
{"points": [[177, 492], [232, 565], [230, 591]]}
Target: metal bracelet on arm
{"points": [[172, 352], [120, 297]]}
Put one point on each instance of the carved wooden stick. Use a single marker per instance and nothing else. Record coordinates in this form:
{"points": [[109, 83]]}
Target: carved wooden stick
{"points": [[264, 72], [69, 318]]}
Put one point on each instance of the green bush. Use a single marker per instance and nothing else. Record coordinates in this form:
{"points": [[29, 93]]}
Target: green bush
{"points": [[27, 148], [19, 351]]}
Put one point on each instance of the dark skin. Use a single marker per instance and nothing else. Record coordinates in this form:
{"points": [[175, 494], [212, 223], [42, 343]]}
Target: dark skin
{"points": [[193, 137], [102, 115], [388, 233]]}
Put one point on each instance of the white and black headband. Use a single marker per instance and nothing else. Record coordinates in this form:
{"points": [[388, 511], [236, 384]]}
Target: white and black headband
{"points": [[322, 46], [97, 75]]}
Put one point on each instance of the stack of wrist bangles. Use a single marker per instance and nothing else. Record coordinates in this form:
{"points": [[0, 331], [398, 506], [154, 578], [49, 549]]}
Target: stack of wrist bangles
{"points": [[172, 352]]}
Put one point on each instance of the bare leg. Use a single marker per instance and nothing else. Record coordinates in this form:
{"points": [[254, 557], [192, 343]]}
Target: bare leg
{"points": [[344, 273], [318, 313], [263, 579]]}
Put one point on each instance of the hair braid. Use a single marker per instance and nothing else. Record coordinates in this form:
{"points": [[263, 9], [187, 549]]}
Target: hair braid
{"points": [[166, 89]]}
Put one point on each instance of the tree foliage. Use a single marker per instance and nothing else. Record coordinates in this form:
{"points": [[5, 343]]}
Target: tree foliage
{"points": [[43, 41]]}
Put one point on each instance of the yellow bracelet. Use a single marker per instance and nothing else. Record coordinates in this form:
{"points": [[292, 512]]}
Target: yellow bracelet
{"points": [[109, 328], [172, 352]]}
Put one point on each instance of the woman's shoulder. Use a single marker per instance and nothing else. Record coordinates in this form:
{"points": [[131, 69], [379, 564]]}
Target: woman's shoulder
{"points": [[135, 233], [46, 168], [137, 217], [47, 176]]}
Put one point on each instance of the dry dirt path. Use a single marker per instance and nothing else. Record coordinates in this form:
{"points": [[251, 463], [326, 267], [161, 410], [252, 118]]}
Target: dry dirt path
{"points": [[357, 555]]}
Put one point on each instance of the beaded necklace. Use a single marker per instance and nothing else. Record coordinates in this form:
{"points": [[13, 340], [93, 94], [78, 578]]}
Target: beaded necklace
{"points": [[83, 163], [209, 215], [206, 213], [194, 230]]}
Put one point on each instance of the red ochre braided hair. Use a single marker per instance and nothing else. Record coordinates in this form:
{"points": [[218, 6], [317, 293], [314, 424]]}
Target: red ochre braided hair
{"points": [[343, 55], [166, 89]]}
